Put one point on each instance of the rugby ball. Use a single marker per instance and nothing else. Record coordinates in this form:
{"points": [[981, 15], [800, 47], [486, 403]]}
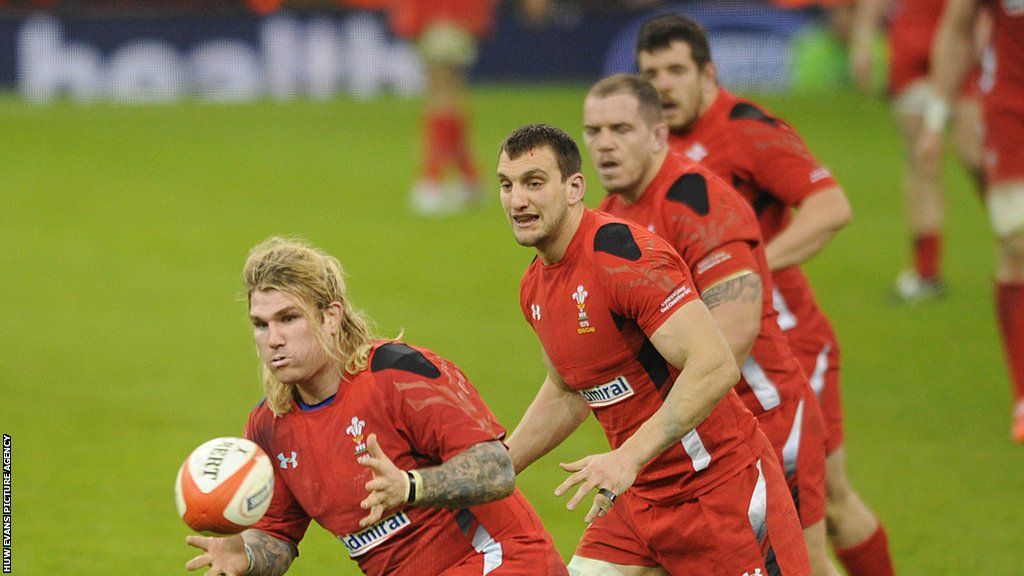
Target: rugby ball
{"points": [[224, 486]]}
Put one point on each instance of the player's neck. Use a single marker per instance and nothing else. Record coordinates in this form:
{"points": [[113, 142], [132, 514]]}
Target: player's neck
{"points": [[634, 194], [553, 251], [321, 386], [708, 100]]}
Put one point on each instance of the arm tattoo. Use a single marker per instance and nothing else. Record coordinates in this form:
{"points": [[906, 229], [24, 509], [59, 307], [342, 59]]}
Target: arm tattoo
{"points": [[746, 287], [270, 556], [481, 473]]}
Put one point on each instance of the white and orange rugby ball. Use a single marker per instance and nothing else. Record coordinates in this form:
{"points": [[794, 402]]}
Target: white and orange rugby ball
{"points": [[224, 486]]}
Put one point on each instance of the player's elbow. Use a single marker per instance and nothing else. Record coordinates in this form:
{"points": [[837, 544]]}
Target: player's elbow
{"points": [[498, 474], [835, 209], [725, 373], [504, 478]]}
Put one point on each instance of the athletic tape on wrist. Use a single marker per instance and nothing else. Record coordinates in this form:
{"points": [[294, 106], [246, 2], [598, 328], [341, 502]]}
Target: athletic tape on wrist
{"points": [[249, 556]]}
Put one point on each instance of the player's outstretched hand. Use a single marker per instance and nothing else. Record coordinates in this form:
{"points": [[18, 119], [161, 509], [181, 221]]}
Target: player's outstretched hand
{"points": [[224, 556], [389, 487], [611, 471]]}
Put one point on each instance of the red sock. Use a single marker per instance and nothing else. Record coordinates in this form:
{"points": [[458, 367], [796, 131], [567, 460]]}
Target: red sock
{"points": [[927, 254], [1010, 310], [460, 148], [869, 558], [437, 145]]}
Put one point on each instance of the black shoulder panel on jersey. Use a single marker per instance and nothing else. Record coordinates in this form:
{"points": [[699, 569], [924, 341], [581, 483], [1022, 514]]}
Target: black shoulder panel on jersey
{"points": [[762, 202], [747, 111], [692, 190], [398, 356], [616, 239], [619, 320]]}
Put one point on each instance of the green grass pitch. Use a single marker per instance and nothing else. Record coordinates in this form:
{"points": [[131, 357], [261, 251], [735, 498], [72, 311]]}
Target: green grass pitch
{"points": [[124, 344]]}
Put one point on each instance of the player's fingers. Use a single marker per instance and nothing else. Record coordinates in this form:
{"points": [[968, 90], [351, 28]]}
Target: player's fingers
{"points": [[569, 482], [580, 494], [200, 542], [373, 517], [373, 447], [575, 466], [378, 484], [198, 562], [596, 511], [374, 499]]}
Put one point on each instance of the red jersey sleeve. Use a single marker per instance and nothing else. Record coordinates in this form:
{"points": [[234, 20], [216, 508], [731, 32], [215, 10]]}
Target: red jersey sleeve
{"points": [[781, 164], [645, 279], [724, 262], [435, 407], [285, 519]]}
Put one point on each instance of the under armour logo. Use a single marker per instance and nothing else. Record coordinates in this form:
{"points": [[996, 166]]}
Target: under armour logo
{"points": [[756, 572], [535, 310], [286, 461]]}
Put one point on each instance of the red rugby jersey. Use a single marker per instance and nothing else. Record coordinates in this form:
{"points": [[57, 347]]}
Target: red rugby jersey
{"points": [[715, 231], [424, 412], [765, 160], [1008, 48], [594, 312]]}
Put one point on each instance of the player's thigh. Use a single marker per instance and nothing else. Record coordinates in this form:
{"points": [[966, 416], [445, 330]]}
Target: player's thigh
{"points": [[837, 481], [967, 131], [582, 566], [817, 550]]}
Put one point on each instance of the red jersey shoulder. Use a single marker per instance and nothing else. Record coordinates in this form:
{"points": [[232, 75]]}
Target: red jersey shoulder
{"points": [[634, 264], [613, 240], [704, 212]]}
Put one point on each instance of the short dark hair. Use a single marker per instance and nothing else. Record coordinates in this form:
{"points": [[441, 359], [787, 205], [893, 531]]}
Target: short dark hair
{"points": [[648, 101], [534, 136], [659, 33]]}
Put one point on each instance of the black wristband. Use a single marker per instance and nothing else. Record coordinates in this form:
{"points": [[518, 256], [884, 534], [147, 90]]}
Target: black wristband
{"points": [[412, 487]]}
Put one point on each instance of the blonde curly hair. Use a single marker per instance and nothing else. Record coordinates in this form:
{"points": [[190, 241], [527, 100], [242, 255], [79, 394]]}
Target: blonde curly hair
{"points": [[315, 279]]}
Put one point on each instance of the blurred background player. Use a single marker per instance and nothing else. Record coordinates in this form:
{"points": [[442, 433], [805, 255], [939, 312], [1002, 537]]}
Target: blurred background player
{"points": [[690, 486], [1003, 114], [910, 40], [447, 33], [356, 414], [768, 163], [715, 231]]}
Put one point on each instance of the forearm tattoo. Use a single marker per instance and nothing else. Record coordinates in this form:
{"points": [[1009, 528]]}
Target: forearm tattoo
{"points": [[746, 288], [481, 473], [270, 556]]}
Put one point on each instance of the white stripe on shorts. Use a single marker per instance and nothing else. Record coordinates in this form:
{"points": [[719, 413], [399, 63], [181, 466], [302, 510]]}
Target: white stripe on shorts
{"points": [[757, 512], [766, 392], [694, 447], [791, 449], [820, 368]]}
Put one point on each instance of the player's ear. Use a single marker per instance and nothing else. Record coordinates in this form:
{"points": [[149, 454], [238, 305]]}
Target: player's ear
{"points": [[709, 75], [660, 134], [577, 188], [332, 316]]}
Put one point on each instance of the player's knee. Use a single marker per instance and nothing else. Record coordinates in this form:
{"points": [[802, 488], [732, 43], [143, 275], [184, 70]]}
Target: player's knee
{"points": [[580, 566], [1006, 210]]}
